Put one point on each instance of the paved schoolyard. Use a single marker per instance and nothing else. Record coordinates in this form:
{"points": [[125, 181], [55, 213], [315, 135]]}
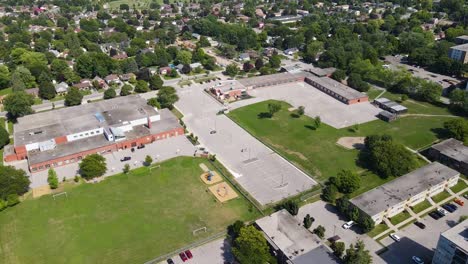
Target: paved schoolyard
{"points": [[420, 242], [316, 103], [159, 151], [215, 252], [259, 170]]}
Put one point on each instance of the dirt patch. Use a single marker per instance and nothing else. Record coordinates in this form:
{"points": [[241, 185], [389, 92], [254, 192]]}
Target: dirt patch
{"points": [[223, 192], [40, 191], [210, 177], [351, 142]]}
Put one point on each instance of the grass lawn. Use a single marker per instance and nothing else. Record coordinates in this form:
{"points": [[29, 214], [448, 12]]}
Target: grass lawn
{"points": [[316, 151], [377, 230], [460, 186], [421, 206], [417, 107], [440, 197], [399, 217], [125, 219], [373, 93]]}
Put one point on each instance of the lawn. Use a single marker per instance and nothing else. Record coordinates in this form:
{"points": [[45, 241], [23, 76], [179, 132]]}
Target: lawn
{"points": [[125, 219], [421, 206], [460, 186], [395, 220], [440, 197], [316, 151], [377, 230], [417, 107]]}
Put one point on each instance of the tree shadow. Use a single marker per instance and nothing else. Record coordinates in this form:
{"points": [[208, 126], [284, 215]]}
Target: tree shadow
{"points": [[440, 132], [264, 115], [311, 127], [294, 115]]}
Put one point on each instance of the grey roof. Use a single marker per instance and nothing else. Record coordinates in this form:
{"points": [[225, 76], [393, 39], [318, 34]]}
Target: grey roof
{"points": [[320, 255], [272, 78], [464, 37], [402, 188], [61, 87], [336, 87], [462, 47], [453, 148], [168, 121], [387, 114], [69, 120], [458, 235]]}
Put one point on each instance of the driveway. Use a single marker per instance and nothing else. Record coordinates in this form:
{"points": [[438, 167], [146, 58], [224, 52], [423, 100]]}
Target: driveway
{"points": [[158, 150], [259, 170]]}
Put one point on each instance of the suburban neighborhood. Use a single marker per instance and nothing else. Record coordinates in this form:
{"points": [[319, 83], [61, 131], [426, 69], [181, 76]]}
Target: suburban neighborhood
{"points": [[249, 132]]}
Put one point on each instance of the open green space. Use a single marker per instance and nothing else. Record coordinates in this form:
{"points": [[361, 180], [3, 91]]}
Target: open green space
{"points": [[421, 206], [124, 219], [440, 197], [395, 220], [377, 230], [417, 107], [460, 186], [316, 151]]}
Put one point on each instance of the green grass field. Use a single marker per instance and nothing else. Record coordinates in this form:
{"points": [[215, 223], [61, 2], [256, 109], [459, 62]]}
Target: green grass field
{"points": [[395, 220], [440, 197], [316, 151], [421, 206], [460, 186], [125, 219]]}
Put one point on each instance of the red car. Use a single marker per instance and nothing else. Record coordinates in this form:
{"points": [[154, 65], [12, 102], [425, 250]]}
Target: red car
{"points": [[188, 254], [458, 201], [183, 256]]}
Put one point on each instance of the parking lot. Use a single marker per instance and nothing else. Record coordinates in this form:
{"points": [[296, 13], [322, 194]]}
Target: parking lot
{"points": [[316, 103], [259, 170], [159, 151], [215, 252], [420, 242]]}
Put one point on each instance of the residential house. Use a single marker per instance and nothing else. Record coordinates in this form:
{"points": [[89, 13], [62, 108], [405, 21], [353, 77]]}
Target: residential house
{"points": [[61, 88], [112, 78], [127, 77], [290, 51], [244, 57], [164, 70]]}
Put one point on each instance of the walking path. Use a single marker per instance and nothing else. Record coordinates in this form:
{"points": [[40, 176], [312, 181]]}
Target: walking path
{"points": [[428, 115]]}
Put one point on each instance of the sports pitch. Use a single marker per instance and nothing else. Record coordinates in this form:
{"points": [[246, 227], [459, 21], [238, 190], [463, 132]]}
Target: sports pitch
{"points": [[125, 219]]}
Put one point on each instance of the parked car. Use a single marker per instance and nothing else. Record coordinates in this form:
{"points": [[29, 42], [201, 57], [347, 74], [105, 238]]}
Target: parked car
{"points": [[459, 202], [170, 261], [448, 208], [395, 237], [451, 205], [125, 159], [420, 225], [348, 225], [417, 260], [141, 146], [442, 211], [182, 256], [213, 132], [188, 254], [435, 215]]}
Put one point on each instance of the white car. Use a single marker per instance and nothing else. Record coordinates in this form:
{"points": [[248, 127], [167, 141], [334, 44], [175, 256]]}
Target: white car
{"points": [[395, 237], [417, 260], [442, 211], [348, 225]]}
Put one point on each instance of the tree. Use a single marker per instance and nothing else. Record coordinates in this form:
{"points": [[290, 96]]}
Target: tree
{"points": [[232, 70], [5, 76], [338, 248], [184, 57], [365, 222], [317, 121], [203, 42], [126, 168], [339, 75], [457, 128], [329, 193], [355, 81], [47, 90], [18, 104], [186, 69], [12, 181], [275, 61], [234, 229], [148, 160], [301, 110], [291, 206], [259, 64], [167, 96], [154, 102], [357, 254], [92, 166], [347, 181], [308, 220], [251, 247], [343, 205], [246, 67], [110, 93], [126, 90], [273, 108], [155, 82], [320, 231], [141, 87], [73, 97], [4, 137], [52, 179]]}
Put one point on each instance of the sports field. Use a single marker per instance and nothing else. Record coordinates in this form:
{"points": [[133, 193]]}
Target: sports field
{"points": [[125, 219], [316, 151]]}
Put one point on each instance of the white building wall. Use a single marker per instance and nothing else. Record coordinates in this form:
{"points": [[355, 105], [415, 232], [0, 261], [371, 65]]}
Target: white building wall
{"points": [[85, 134], [32, 146]]}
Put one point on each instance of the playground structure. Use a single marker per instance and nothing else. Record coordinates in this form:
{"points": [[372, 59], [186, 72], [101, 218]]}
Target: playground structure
{"points": [[210, 177], [223, 192]]}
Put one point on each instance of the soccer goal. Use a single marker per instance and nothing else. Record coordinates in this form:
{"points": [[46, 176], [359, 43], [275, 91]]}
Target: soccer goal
{"points": [[199, 230], [60, 194]]}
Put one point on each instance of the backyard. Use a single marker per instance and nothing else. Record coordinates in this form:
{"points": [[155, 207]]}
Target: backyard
{"points": [[316, 151], [125, 219]]}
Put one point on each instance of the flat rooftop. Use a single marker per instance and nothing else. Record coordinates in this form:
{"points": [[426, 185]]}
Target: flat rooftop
{"points": [[336, 87], [453, 148], [402, 188], [227, 86], [69, 120], [288, 234], [271, 79], [458, 235], [463, 47], [168, 121], [320, 255]]}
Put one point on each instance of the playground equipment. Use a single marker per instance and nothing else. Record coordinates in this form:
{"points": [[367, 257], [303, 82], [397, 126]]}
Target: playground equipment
{"points": [[209, 175]]}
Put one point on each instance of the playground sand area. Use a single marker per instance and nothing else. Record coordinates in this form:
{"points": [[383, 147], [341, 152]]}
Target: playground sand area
{"points": [[223, 192], [215, 178]]}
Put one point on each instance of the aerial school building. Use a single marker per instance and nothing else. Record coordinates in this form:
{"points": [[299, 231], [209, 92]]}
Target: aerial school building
{"points": [[67, 135]]}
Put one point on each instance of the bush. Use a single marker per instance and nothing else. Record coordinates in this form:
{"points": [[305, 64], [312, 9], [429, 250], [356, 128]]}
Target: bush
{"points": [[308, 220], [3, 205], [13, 199], [126, 168], [320, 231], [291, 206], [4, 137], [110, 93], [77, 178], [92, 166], [148, 160], [338, 248], [52, 179]]}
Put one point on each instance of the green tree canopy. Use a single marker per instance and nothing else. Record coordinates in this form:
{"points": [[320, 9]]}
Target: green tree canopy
{"points": [[357, 254], [18, 104], [250, 247], [110, 93], [12, 181], [457, 128], [92, 166], [73, 97]]}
